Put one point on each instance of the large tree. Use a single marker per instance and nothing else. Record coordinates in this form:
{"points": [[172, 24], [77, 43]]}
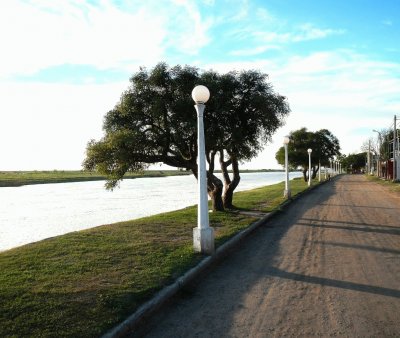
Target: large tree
{"points": [[155, 121], [324, 147], [354, 162], [243, 115]]}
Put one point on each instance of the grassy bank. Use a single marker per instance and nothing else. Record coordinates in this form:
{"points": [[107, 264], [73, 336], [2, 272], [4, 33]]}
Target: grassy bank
{"points": [[83, 283], [18, 178], [393, 186]]}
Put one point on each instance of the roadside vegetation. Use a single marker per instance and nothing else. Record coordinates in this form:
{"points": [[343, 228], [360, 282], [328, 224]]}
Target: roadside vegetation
{"points": [[19, 178], [84, 283], [324, 145], [393, 186]]}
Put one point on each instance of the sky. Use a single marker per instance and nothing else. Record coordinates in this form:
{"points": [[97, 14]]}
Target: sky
{"points": [[64, 65]]}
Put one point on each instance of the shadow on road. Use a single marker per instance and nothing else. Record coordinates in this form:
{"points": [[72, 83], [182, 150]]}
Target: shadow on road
{"points": [[335, 283], [353, 228], [357, 246], [356, 206], [352, 223]]}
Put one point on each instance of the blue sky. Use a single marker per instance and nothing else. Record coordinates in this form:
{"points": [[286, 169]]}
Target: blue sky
{"points": [[65, 63]]}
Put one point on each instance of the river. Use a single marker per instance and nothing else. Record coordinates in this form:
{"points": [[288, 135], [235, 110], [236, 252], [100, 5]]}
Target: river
{"points": [[34, 212]]}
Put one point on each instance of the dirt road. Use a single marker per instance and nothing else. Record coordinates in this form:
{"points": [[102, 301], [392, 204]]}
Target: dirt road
{"points": [[328, 266]]}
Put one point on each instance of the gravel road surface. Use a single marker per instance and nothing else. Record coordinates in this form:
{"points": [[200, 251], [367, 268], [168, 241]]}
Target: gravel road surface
{"points": [[329, 266]]}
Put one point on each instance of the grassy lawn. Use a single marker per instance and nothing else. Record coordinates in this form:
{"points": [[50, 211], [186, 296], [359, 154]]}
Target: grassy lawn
{"points": [[83, 283], [393, 186], [18, 178]]}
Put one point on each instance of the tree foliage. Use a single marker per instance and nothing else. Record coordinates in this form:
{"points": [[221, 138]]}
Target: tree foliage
{"points": [[385, 144], [324, 147], [354, 162], [155, 122], [242, 117]]}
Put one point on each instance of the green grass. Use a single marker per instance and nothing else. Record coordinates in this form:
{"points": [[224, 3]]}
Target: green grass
{"points": [[393, 186], [84, 283], [18, 178]]}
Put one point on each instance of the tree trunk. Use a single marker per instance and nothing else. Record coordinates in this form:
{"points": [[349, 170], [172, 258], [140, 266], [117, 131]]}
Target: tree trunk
{"points": [[229, 185], [314, 172], [214, 184], [305, 174], [215, 187]]}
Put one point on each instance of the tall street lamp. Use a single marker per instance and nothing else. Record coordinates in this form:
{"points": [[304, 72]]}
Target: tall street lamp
{"points": [[319, 171], [287, 192], [309, 150], [203, 235]]}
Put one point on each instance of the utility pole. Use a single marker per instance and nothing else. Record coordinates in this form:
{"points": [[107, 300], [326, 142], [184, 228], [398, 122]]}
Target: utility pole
{"points": [[394, 148], [378, 161], [369, 158]]}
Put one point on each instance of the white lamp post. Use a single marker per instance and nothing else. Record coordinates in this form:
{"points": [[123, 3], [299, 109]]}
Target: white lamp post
{"points": [[287, 192], [319, 171], [309, 166], [334, 167], [203, 235]]}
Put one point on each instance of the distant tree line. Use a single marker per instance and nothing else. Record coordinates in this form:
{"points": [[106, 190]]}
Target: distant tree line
{"points": [[325, 146]]}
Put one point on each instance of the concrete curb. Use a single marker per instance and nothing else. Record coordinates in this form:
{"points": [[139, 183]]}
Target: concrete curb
{"points": [[169, 291]]}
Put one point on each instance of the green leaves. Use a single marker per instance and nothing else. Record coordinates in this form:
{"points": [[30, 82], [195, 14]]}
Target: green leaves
{"points": [[155, 121], [323, 143]]}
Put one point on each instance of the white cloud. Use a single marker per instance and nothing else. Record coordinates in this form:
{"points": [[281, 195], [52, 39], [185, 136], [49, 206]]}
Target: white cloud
{"points": [[209, 2], [304, 32], [309, 32], [35, 37], [344, 92], [46, 33], [264, 15], [188, 29], [47, 126], [253, 51], [242, 10]]}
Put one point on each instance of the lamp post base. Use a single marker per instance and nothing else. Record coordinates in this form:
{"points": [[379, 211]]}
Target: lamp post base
{"points": [[287, 193], [203, 240]]}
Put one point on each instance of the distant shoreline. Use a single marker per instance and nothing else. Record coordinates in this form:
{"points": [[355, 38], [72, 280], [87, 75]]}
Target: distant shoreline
{"points": [[20, 178]]}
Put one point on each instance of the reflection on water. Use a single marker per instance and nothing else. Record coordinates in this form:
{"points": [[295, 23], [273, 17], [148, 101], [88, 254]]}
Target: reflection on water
{"points": [[34, 212]]}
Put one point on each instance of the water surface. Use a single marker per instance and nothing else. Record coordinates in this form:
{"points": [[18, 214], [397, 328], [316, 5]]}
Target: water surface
{"points": [[34, 212]]}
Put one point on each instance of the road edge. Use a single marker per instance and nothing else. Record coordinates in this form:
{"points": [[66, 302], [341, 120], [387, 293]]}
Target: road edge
{"points": [[152, 305]]}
